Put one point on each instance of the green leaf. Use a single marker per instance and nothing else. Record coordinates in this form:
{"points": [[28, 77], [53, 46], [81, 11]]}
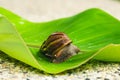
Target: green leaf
{"points": [[94, 31], [109, 53]]}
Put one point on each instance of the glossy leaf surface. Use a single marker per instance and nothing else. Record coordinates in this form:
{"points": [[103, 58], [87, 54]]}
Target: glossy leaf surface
{"points": [[95, 32]]}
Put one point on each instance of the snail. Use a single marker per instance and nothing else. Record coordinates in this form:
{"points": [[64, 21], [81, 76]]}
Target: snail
{"points": [[58, 47]]}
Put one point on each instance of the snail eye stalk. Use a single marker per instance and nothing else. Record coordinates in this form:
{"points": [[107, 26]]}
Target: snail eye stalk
{"points": [[58, 47]]}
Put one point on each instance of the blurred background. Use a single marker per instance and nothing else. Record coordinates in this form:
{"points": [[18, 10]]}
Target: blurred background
{"points": [[44, 10]]}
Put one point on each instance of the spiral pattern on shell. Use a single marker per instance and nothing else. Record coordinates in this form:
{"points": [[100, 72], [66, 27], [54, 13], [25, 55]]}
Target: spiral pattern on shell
{"points": [[54, 44]]}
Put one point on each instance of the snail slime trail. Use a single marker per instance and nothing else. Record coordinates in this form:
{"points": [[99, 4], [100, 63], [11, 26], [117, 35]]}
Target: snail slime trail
{"points": [[58, 47]]}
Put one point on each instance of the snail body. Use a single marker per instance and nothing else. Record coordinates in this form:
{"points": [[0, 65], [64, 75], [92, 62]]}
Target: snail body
{"points": [[58, 47]]}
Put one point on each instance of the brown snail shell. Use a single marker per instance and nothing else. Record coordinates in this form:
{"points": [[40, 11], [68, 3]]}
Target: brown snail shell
{"points": [[58, 47]]}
